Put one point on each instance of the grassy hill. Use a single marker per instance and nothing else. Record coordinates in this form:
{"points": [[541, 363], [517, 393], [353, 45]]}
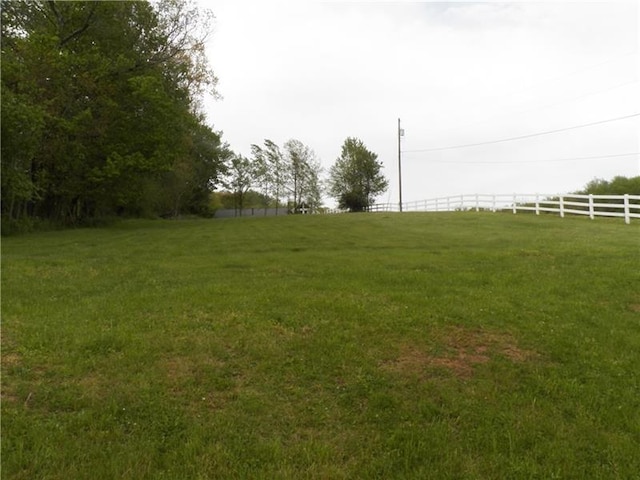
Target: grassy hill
{"points": [[452, 345]]}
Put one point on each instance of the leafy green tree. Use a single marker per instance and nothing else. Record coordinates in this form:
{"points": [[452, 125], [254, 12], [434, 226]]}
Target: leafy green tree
{"points": [[240, 177], [294, 174], [105, 95], [303, 175], [355, 179], [618, 185], [188, 186], [270, 169], [264, 176], [22, 129]]}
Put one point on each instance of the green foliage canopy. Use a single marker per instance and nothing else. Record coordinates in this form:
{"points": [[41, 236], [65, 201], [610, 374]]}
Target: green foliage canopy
{"points": [[303, 174], [239, 178], [618, 185], [355, 178], [292, 172], [100, 110]]}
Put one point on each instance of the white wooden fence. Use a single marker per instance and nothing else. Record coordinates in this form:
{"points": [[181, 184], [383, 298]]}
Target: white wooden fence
{"points": [[623, 206]]}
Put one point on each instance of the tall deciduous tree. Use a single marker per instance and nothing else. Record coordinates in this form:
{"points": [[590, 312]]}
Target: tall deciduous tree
{"points": [[240, 177], [355, 179], [276, 168], [303, 175], [265, 171], [105, 96], [293, 175]]}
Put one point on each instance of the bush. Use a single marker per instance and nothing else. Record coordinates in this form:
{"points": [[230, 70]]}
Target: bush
{"points": [[617, 186]]}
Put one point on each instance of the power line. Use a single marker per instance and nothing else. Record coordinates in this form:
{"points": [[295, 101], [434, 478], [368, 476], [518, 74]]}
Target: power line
{"points": [[521, 137], [548, 105], [537, 161]]}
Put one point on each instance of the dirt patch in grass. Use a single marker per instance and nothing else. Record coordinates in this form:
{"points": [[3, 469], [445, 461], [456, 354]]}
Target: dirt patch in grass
{"points": [[177, 368], [180, 370], [200, 381], [10, 360], [459, 351], [635, 307]]}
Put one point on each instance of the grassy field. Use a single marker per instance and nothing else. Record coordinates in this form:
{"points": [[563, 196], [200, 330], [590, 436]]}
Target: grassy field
{"points": [[453, 345]]}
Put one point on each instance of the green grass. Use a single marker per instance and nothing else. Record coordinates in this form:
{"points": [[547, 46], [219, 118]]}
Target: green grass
{"points": [[462, 345]]}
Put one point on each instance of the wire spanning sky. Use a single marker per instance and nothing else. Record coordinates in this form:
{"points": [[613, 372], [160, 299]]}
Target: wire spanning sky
{"points": [[534, 96]]}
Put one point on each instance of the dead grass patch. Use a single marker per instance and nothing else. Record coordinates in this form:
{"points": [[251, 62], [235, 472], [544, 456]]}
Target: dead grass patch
{"points": [[10, 360], [191, 379], [463, 349], [182, 369]]}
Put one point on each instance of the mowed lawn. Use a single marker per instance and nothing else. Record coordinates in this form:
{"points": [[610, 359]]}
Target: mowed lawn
{"points": [[451, 345]]}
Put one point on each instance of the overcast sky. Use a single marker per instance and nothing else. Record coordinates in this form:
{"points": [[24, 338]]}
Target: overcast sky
{"points": [[454, 73]]}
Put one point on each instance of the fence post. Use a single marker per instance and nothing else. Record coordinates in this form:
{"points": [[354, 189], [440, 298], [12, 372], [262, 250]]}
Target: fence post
{"points": [[493, 207], [537, 204], [477, 203], [561, 206], [627, 216], [591, 212], [514, 204]]}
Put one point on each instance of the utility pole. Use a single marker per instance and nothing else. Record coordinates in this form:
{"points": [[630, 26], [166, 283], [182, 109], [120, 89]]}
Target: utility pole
{"points": [[400, 134]]}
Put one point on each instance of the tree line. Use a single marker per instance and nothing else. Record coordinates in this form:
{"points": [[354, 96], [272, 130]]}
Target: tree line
{"points": [[287, 177], [100, 111], [291, 177], [102, 117], [618, 185]]}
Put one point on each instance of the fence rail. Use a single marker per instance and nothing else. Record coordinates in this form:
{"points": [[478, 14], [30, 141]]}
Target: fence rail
{"points": [[623, 206]]}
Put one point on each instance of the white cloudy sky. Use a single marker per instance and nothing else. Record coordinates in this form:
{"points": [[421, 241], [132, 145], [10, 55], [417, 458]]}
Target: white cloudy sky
{"points": [[455, 73]]}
